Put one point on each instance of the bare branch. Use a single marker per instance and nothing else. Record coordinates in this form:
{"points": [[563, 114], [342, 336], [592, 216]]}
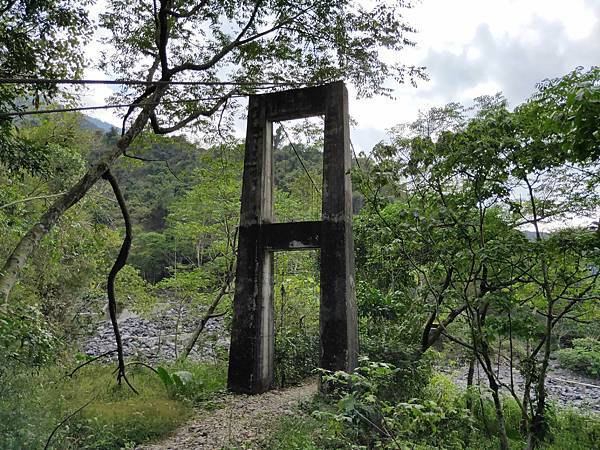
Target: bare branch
{"points": [[166, 161], [189, 13], [39, 197], [237, 42], [223, 52], [89, 361], [66, 419], [195, 115]]}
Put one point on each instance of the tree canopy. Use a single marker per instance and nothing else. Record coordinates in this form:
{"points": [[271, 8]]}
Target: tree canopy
{"points": [[38, 39]]}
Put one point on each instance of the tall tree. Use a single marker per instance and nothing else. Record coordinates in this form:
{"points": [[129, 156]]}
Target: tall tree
{"points": [[467, 190], [300, 42]]}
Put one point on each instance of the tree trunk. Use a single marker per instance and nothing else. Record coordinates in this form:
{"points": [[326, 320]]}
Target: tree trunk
{"points": [[112, 276], [538, 428], [499, 416], [495, 388], [29, 242], [470, 375]]}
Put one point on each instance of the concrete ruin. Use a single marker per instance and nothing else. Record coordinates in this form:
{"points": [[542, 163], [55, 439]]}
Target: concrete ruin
{"points": [[252, 334]]}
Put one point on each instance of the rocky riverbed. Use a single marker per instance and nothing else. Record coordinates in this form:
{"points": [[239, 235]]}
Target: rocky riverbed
{"points": [[160, 335], [564, 386]]}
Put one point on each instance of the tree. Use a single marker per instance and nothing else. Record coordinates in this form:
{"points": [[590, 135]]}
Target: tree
{"points": [[305, 42], [467, 190], [38, 39], [71, 263]]}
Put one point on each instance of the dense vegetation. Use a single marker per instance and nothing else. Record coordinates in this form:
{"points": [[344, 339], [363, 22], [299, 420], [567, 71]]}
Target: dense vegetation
{"points": [[465, 255], [441, 256]]}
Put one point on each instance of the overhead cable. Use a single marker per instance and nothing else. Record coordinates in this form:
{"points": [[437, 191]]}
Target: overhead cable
{"points": [[30, 80], [300, 159], [91, 108]]}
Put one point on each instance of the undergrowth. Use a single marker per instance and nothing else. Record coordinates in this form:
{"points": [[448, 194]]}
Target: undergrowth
{"points": [[361, 414], [584, 357], [33, 403]]}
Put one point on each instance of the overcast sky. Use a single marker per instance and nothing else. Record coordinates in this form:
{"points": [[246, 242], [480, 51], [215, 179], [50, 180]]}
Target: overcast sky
{"points": [[470, 48]]}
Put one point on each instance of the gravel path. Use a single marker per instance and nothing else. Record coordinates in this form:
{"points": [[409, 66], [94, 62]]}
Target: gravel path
{"points": [[239, 422]]}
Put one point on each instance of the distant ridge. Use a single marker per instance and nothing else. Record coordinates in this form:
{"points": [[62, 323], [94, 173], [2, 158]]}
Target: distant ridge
{"points": [[96, 124]]}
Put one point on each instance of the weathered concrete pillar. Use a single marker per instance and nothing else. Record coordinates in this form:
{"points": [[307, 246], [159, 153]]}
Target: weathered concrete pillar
{"points": [[251, 351], [339, 329]]}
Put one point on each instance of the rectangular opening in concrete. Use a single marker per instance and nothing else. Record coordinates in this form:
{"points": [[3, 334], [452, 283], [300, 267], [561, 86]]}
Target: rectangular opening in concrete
{"points": [[296, 281], [251, 355], [298, 169]]}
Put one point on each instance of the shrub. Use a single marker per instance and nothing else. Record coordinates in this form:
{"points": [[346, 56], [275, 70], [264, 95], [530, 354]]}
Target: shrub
{"points": [[192, 382], [583, 357], [442, 391], [109, 425], [26, 338], [293, 433], [296, 354], [370, 411], [575, 430]]}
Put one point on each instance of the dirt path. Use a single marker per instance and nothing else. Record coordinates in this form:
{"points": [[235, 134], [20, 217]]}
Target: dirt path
{"points": [[241, 420]]}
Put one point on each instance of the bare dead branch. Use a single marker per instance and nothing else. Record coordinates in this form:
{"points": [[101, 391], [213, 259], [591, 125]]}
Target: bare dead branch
{"points": [[193, 116], [117, 266], [89, 361]]}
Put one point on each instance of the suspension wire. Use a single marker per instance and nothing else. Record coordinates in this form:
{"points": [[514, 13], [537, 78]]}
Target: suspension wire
{"points": [[30, 80], [91, 108], [300, 159], [355, 156]]}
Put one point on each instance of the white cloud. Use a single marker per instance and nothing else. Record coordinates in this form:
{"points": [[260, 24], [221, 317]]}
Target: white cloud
{"points": [[475, 47], [472, 47]]}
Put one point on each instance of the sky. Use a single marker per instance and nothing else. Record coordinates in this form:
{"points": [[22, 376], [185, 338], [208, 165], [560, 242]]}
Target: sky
{"points": [[470, 48]]}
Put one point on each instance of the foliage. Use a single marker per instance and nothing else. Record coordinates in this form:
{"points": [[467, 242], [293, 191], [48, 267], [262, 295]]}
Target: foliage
{"points": [[364, 418], [296, 287], [390, 324], [71, 265], [566, 112], [39, 39], [575, 430], [448, 200], [133, 291], [191, 382], [25, 338], [297, 354], [33, 403], [283, 41], [371, 411], [293, 433], [583, 357]]}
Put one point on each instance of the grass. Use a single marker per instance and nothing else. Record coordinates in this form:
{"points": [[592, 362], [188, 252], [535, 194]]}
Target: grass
{"points": [[302, 432], [32, 403]]}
